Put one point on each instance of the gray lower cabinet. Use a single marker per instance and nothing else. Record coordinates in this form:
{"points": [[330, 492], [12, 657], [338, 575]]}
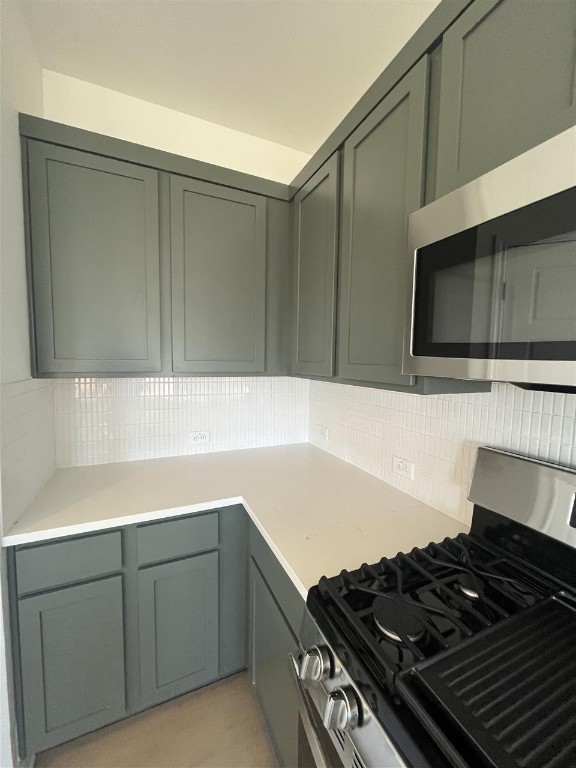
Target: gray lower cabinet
{"points": [[108, 624], [316, 208], [178, 608], [272, 642], [94, 263], [382, 183], [218, 246], [276, 612], [72, 661], [507, 84]]}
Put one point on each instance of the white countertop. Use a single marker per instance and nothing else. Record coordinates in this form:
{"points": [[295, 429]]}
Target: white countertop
{"points": [[318, 513]]}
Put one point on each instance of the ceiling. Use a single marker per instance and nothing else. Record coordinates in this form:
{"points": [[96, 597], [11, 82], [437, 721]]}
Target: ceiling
{"points": [[283, 70]]}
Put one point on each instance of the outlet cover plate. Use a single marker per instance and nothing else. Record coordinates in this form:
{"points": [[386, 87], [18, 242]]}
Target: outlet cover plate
{"points": [[203, 436], [403, 467]]}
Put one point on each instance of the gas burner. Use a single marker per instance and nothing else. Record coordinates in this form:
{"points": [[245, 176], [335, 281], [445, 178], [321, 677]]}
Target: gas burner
{"points": [[467, 585], [395, 620]]}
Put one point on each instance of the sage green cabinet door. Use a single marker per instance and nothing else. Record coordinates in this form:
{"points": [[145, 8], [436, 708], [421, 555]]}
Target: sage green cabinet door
{"points": [[316, 246], [218, 278], [178, 608], [508, 84], [95, 263], [382, 185], [272, 641], [72, 657]]}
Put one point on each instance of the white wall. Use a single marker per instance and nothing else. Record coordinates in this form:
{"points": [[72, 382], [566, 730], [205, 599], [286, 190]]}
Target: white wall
{"points": [[27, 444], [439, 434], [84, 105], [20, 91]]}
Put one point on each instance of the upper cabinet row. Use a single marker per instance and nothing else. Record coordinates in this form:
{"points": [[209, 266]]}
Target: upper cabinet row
{"points": [[115, 246], [500, 83], [382, 181], [135, 270]]}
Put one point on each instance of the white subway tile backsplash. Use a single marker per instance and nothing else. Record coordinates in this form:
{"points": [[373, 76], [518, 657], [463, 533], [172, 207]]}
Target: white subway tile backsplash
{"points": [[27, 444], [440, 433], [93, 421], [107, 420]]}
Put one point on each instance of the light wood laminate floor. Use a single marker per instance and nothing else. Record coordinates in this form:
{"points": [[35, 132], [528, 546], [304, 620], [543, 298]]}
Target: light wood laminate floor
{"points": [[216, 727]]}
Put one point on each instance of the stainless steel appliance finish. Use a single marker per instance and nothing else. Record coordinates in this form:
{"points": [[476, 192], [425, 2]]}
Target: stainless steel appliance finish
{"points": [[534, 493], [336, 718], [533, 176], [459, 653]]}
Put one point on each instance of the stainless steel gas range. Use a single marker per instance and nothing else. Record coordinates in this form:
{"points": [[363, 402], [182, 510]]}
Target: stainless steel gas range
{"points": [[459, 654]]}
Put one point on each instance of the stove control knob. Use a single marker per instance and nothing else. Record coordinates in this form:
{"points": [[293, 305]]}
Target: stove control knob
{"points": [[314, 665], [342, 710]]}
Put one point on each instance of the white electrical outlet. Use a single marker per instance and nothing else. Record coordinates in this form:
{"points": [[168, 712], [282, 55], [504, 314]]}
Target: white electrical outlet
{"points": [[200, 437], [403, 467], [322, 432]]}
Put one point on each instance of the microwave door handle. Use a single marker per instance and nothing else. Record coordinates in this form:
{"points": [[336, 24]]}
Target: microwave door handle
{"points": [[313, 740]]}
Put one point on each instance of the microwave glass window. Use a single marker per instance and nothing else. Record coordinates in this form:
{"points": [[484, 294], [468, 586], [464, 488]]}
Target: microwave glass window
{"points": [[540, 291], [505, 289], [462, 296]]}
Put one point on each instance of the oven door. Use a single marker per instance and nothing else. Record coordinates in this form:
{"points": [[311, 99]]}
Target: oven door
{"points": [[315, 747], [494, 276]]}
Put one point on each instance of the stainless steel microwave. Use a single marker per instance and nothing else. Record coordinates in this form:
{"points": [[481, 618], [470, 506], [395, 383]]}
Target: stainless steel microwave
{"points": [[492, 268]]}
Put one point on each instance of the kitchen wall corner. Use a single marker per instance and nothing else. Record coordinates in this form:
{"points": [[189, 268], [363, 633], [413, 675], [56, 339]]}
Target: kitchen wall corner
{"points": [[367, 427], [27, 444]]}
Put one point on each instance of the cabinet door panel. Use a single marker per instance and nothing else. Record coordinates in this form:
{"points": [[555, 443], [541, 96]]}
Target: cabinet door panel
{"points": [[508, 84], [382, 184], [95, 263], [218, 278], [178, 605], [72, 650], [316, 244], [272, 641]]}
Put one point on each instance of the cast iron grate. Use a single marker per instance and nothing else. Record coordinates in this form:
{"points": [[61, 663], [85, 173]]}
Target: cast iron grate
{"points": [[512, 689], [429, 586]]}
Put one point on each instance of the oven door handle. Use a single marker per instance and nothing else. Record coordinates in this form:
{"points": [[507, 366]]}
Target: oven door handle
{"points": [[303, 709]]}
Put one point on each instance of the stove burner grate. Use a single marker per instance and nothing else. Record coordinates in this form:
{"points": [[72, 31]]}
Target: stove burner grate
{"points": [[409, 608], [510, 689]]}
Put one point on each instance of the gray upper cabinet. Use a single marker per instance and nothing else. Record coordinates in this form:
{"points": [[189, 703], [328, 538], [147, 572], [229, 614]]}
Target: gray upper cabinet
{"points": [[382, 184], [218, 245], [508, 84], [94, 247], [315, 252], [72, 660], [178, 607]]}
